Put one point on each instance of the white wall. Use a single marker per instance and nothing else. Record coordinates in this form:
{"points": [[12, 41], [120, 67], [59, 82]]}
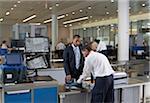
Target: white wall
{"points": [[5, 32]]}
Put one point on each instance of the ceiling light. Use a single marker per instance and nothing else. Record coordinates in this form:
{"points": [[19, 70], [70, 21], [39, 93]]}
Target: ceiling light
{"points": [[29, 18], [89, 7], [50, 8], [60, 17], [73, 13], [91, 16], [12, 8], [7, 13], [75, 20], [1, 19], [112, 1], [15, 5], [81, 11], [47, 21], [143, 4], [18, 1], [65, 26], [35, 23], [84, 28], [70, 24], [57, 4], [67, 14], [112, 25], [107, 12]]}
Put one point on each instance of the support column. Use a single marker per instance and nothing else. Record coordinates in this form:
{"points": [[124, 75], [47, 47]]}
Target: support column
{"points": [[54, 31], [123, 27]]}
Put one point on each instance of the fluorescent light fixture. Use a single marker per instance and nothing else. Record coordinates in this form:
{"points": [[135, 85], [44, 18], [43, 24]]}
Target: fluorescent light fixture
{"points": [[15, 5], [89, 7], [73, 12], [67, 14], [112, 25], [47, 21], [7, 13], [1, 19], [75, 20], [57, 4], [29, 18], [18, 1], [81, 11], [50, 8], [91, 16], [12, 8], [35, 23], [107, 12], [70, 25], [112, 1], [60, 17], [143, 4]]}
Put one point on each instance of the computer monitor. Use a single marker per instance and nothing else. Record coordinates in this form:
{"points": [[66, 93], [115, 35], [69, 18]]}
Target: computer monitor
{"points": [[37, 44], [13, 59], [17, 43], [37, 63]]}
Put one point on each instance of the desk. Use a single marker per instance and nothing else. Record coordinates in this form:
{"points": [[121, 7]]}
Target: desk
{"points": [[126, 93], [38, 92]]}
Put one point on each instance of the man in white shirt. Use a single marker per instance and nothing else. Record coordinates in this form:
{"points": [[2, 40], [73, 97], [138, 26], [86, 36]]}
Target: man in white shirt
{"points": [[102, 48], [4, 45], [99, 66], [60, 48]]}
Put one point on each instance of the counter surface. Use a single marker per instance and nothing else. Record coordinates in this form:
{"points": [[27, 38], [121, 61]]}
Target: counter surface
{"points": [[132, 82]]}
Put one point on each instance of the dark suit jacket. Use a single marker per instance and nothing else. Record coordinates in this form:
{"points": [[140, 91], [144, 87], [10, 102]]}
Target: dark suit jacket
{"points": [[70, 63]]}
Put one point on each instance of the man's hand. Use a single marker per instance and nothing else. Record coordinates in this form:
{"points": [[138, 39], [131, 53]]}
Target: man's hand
{"points": [[68, 78]]}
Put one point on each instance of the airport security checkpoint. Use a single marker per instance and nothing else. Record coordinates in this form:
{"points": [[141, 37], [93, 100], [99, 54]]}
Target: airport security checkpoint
{"points": [[74, 51]]}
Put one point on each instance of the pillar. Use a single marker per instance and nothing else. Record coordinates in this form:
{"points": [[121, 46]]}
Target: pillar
{"points": [[54, 31], [123, 27]]}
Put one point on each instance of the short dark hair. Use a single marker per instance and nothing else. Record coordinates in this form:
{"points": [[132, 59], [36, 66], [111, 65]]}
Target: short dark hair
{"points": [[76, 36], [87, 47], [4, 41]]}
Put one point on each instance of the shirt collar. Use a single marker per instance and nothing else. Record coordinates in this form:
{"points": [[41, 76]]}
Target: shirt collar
{"points": [[91, 52], [74, 47]]}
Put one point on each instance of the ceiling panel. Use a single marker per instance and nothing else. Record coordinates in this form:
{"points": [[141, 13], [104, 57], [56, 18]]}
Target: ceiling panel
{"points": [[40, 7]]}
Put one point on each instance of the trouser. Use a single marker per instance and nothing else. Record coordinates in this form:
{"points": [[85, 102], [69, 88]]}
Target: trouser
{"points": [[103, 91]]}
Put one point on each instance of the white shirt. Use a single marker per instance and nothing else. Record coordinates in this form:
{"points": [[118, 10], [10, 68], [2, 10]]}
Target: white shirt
{"points": [[97, 64], [77, 55], [101, 46], [60, 46], [4, 46]]}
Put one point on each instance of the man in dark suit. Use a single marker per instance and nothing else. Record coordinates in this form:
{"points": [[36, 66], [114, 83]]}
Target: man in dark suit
{"points": [[73, 59]]}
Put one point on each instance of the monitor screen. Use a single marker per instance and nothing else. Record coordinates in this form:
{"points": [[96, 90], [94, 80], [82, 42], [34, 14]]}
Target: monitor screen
{"points": [[17, 43], [37, 63], [37, 44], [13, 59]]}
